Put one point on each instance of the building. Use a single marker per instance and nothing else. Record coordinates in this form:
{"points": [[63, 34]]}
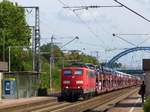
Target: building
{"points": [[20, 84], [17, 84]]}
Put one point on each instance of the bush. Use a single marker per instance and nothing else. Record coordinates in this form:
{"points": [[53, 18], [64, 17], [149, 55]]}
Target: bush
{"points": [[147, 105], [42, 92]]}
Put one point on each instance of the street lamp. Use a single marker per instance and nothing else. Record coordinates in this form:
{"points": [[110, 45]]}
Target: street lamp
{"points": [[51, 59], [76, 37], [115, 35], [70, 41]]}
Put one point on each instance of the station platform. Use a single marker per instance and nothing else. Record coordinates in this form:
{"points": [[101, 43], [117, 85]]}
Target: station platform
{"points": [[6, 103], [22, 101], [132, 103]]}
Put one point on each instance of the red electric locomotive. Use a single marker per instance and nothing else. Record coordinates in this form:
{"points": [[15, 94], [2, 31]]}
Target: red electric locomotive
{"points": [[77, 81], [84, 80]]}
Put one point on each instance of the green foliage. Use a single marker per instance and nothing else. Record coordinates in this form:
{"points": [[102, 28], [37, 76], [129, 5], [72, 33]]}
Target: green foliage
{"points": [[26, 60], [21, 59], [60, 59], [147, 105], [44, 77], [89, 59], [14, 30], [46, 49], [76, 56], [56, 78]]}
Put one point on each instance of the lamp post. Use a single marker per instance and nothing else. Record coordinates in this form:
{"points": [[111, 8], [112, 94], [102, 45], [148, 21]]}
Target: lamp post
{"points": [[70, 41], [52, 57], [115, 35]]}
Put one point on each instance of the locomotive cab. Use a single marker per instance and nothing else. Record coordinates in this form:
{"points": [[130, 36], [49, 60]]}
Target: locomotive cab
{"points": [[77, 81], [84, 81]]}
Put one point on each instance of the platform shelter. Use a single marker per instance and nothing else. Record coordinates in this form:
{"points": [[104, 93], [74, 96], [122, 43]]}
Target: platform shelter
{"points": [[19, 84]]}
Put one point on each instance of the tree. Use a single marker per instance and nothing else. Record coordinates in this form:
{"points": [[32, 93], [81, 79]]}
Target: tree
{"points": [[76, 56], [14, 30], [45, 65], [47, 48]]}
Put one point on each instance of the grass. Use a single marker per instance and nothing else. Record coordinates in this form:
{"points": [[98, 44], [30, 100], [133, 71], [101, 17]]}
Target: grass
{"points": [[147, 105]]}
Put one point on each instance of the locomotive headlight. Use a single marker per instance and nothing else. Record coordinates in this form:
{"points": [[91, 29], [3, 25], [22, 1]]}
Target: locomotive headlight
{"points": [[67, 87], [66, 82], [79, 82]]}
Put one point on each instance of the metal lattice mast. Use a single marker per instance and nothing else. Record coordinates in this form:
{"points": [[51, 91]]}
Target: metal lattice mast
{"points": [[36, 39]]}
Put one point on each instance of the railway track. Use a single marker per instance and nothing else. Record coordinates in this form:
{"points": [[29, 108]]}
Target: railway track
{"points": [[78, 106], [91, 104]]}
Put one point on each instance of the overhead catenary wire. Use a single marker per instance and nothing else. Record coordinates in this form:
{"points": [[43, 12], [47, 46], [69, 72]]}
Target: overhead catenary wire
{"points": [[134, 34], [94, 32], [128, 42], [143, 41], [83, 22], [90, 6], [132, 11], [122, 5], [94, 6], [96, 23], [138, 45], [89, 29], [125, 40], [86, 7], [86, 43]]}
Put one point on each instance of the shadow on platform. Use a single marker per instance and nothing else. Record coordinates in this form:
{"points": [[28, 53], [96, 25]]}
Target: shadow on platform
{"points": [[127, 105]]}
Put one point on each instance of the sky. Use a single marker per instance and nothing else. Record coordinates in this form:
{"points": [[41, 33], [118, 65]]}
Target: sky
{"points": [[94, 27]]}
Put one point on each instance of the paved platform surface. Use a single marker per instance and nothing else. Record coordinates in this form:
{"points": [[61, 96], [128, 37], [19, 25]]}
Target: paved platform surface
{"points": [[133, 103], [14, 102]]}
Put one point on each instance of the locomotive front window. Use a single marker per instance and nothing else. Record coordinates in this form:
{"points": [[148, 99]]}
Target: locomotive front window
{"points": [[78, 72], [91, 74], [67, 72]]}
